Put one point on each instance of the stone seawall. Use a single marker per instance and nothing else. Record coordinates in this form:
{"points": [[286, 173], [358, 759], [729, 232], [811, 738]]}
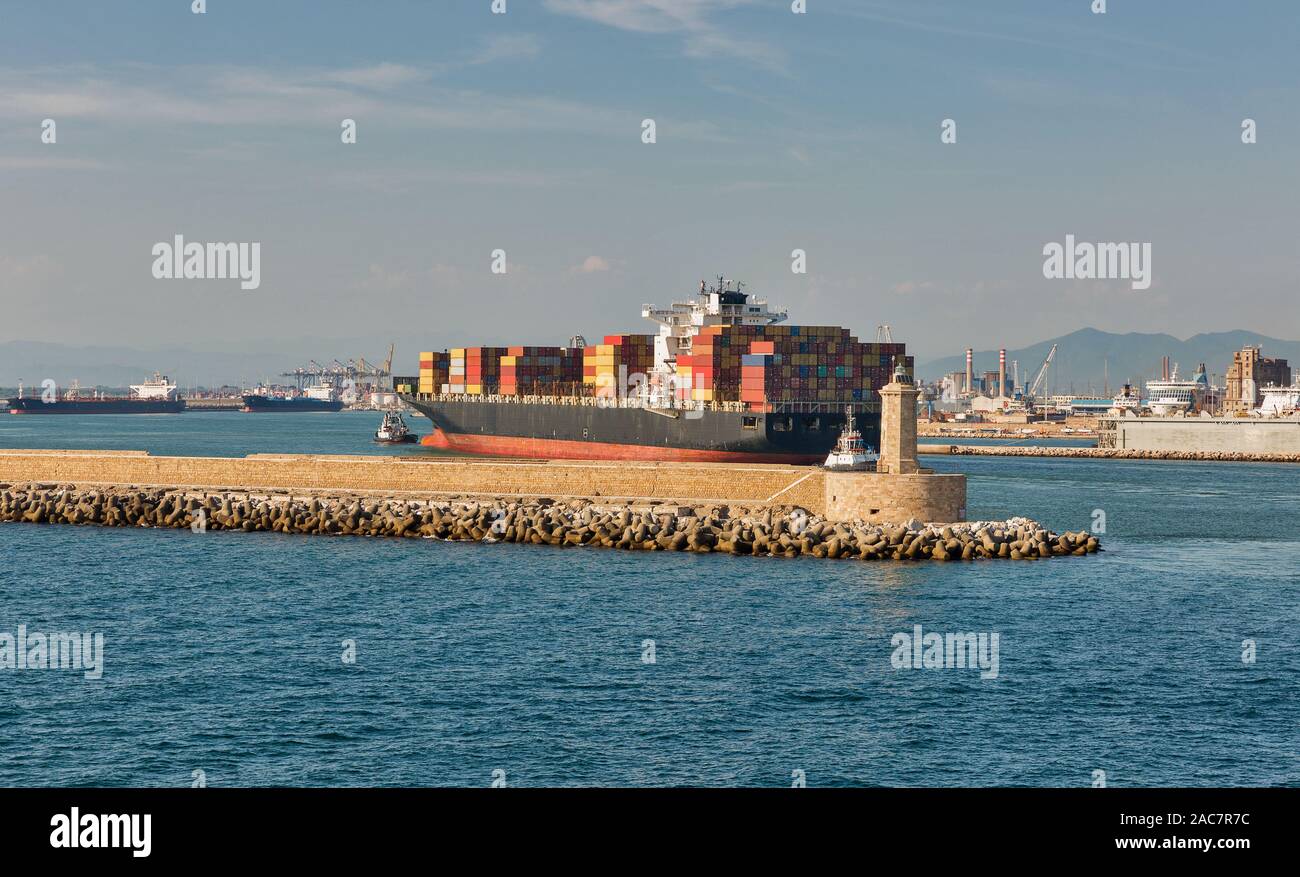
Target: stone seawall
{"points": [[839, 496], [874, 497]]}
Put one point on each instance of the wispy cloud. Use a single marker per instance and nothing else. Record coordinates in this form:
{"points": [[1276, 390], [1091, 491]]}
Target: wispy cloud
{"points": [[1039, 32], [691, 19], [503, 47], [645, 16], [264, 97], [591, 265], [378, 76]]}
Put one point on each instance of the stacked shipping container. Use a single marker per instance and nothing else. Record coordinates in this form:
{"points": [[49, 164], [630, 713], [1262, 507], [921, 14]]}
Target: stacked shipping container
{"points": [[760, 365], [475, 370], [601, 363], [433, 371], [541, 370], [757, 365]]}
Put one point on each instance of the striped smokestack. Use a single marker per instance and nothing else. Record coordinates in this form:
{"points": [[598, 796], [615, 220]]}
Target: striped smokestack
{"points": [[1002, 372], [970, 370]]}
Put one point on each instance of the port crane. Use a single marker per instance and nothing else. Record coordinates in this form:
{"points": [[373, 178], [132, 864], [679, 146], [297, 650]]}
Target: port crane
{"points": [[337, 373], [1031, 397]]}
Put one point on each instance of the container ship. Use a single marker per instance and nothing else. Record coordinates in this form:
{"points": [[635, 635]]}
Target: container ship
{"points": [[155, 396], [723, 379]]}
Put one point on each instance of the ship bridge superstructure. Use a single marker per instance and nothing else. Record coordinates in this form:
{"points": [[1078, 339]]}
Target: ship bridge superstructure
{"points": [[722, 303]]}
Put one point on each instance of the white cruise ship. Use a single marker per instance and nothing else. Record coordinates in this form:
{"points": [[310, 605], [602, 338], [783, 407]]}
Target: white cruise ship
{"points": [[1173, 396]]}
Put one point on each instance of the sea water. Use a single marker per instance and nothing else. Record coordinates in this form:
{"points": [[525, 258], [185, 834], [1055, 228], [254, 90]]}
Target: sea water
{"points": [[235, 659]]}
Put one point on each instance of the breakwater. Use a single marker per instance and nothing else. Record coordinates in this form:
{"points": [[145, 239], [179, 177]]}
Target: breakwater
{"points": [[1107, 453], [772, 532], [847, 496]]}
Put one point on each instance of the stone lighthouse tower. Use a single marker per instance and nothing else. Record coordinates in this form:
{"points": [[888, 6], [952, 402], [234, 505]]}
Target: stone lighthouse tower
{"points": [[898, 424]]}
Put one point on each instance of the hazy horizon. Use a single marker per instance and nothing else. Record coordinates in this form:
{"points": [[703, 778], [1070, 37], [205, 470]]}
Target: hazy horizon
{"points": [[523, 131]]}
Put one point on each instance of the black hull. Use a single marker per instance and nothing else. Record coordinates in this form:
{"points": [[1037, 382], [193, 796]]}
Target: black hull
{"points": [[96, 406], [593, 432]]}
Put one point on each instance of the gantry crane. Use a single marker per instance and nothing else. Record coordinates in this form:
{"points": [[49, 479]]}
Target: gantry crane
{"points": [[339, 374]]}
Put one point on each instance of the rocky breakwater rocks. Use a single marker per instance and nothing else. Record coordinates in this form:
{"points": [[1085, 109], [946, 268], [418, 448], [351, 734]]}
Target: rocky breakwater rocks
{"points": [[768, 532]]}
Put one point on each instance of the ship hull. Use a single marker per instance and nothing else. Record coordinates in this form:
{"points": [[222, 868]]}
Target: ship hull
{"points": [[264, 404], [96, 406], [588, 432]]}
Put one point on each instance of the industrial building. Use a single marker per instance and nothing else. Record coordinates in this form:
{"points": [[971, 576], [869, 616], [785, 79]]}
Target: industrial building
{"points": [[1248, 375]]}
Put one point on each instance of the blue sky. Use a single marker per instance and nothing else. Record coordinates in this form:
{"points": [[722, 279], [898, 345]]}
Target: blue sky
{"points": [[522, 131]]}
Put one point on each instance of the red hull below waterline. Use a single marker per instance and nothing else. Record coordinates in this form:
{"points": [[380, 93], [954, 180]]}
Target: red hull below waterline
{"points": [[560, 449]]}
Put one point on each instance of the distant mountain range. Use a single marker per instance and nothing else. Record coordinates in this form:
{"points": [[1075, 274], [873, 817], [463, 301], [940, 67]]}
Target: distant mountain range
{"points": [[1085, 357]]}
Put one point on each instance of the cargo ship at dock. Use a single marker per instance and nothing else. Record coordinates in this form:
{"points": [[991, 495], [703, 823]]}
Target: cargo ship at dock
{"points": [[155, 396], [721, 381]]}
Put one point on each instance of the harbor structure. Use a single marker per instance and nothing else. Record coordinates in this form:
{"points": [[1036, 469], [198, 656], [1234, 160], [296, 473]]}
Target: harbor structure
{"points": [[898, 426], [752, 531], [1261, 437]]}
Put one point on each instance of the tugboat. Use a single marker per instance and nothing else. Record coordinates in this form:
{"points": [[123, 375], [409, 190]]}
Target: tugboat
{"points": [[851, 453], [393, 431]]}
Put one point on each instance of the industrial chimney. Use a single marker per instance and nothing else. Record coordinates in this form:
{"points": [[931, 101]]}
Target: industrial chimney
{"points": [[970, 371], [1002, 372]]}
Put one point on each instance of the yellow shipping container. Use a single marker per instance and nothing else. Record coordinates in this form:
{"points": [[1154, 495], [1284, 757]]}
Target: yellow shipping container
{"points": [[474, 389], [508, 360], [458, 353]]}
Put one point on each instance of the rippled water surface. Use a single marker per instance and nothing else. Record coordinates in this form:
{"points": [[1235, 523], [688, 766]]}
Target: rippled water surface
{"points": [[223, 650]]}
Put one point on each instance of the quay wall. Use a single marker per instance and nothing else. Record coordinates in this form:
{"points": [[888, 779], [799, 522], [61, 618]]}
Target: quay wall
{"points": [[838, 496], [1206, 434]]}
